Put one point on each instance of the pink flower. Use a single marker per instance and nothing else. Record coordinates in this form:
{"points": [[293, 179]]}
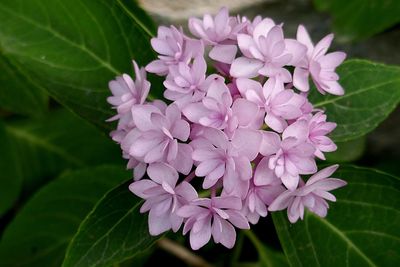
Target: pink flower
{"points": [[292, 156], [126, 94], [213, 217], [312, 195], [163, 197], [320, 65], [266, 52], [156, 137], [173, 48], [186, 84], [238, 129], [218, 32], [279, 104], [216, 110], [260, 196], [318, 129], [218, 157]]}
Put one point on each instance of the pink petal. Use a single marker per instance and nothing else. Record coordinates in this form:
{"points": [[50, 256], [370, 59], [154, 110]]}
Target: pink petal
{"points": [[183, 163], [217, 89], [186, 190], [270, 144], [158, 223], [139, 171], [228, 235], [334, 88], [245, 67], [245, 86], [263, 174], [223, 53], [202, 154], [324, 173], [294, 210], [245, 42], [282, 201], [142, 116], [216, 137], [181, 130], [139, 188], [176, 222], [205, 167], [156, 153], [237, 219], [227, 202], [243, 167], [247, 142], [324, 194], [275, 123], [216, 174], [300, 79], [161, 172], [161, 47], [173, 113], [221, 20], [296, 50], [298, 130], [195, 111], [290, 181], [329, 184], [323, 46], [263, 28], [332, 60], [172, 150], [200, 238], [158, 67], [304, 38], [141, 146], [244, 111], [190, 211]]}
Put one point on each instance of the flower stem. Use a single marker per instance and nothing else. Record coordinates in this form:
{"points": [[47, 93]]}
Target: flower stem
{"points": [[182, 253], [190, 177]]}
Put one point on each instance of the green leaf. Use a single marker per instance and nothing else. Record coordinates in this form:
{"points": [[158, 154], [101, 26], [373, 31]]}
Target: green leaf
{"points": [[46, 146], [267, 256], [359, 19], [73, 48], [348, 151], [361, 229], [113, 232], [10, 176], [18, 94], [372, 91], [39, 234]]}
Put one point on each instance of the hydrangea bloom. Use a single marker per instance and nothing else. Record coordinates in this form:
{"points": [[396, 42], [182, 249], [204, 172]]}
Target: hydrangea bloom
{"points": [[245, 134]]}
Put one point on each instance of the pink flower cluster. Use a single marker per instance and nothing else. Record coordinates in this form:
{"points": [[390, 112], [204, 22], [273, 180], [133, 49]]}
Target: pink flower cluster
{"points": [[237, 135]]}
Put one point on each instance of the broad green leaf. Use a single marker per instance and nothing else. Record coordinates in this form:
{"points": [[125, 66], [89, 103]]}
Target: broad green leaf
{"points": [[46, 146], [372, 91], [361, 229], [18, 94], [348, 151], [73, 48], [114, 231], [41, 231], [10, 175], [359, 19]]}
